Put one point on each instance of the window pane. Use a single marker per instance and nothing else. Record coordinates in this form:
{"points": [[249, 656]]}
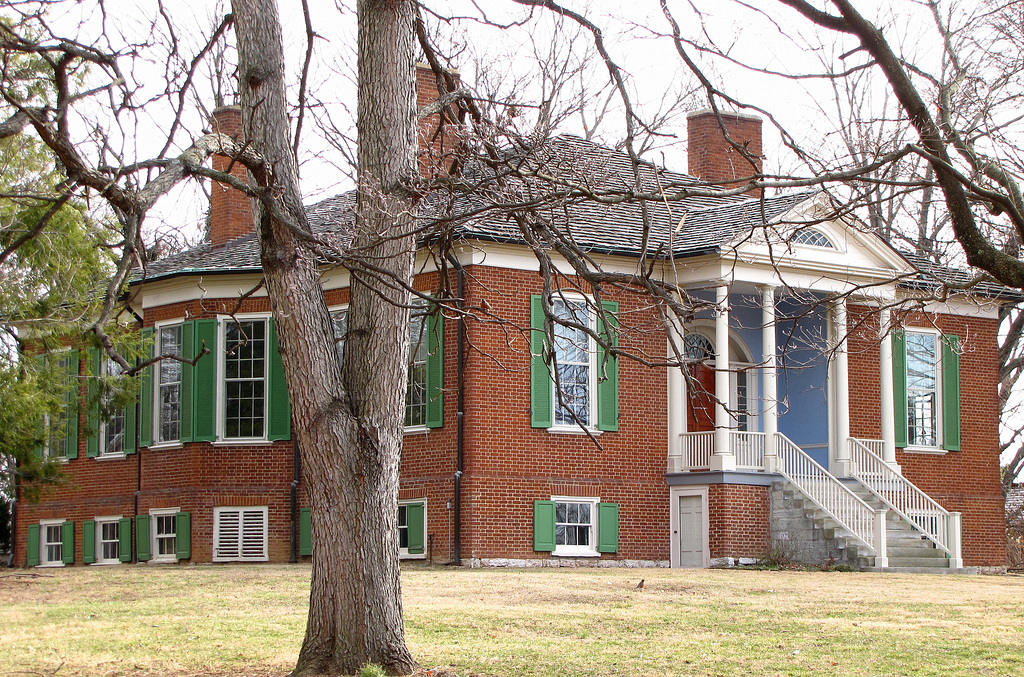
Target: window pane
{"points": [[416, 385], [572, 348], [922, 389], [340, 329], [245, 385]]}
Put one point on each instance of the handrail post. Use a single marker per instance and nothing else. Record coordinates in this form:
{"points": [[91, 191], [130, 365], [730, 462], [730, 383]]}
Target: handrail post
{"points": [[881, 549], [956, 560]]}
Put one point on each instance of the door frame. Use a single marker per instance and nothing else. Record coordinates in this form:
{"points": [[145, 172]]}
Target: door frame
{"points": [[675, 493]]}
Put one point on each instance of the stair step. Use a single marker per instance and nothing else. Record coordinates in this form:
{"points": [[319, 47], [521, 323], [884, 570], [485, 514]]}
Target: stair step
{"points": [[918, 562], [920, 551]]}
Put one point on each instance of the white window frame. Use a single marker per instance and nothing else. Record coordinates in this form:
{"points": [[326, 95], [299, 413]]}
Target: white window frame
{"points": [[44, 559], [222, 388], [49, 453], [154, 540], [217, 526], [98, 541], [578, 550], [102, 433], [939, 403], [572, 426], [404, 552], [157, 409], [800, 236]]}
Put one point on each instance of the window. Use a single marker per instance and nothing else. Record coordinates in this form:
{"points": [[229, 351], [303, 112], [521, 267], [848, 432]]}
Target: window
{"points": [[416, 385], [813, 238], [165, 535], [926, 373], [245, 384], [698, 347], [62, 427], [112, 429], [922, 389], [168, 395], [108, 540], [424, 405], [412, 528], [587, 383], [240, 534], [575, 527], [51, 543]]}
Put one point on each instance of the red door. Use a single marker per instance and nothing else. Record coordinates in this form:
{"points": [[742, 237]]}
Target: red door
{"points": [[700, 410]]}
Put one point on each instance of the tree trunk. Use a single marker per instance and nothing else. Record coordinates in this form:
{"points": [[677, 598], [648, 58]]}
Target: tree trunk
{"points": [[347, 420]]}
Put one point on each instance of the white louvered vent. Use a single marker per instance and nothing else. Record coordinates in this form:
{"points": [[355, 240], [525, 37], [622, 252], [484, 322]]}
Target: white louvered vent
{"points": [[240, 534]]}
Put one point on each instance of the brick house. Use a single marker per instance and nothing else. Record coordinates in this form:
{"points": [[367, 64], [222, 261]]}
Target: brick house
{"points": [[796, 425]]}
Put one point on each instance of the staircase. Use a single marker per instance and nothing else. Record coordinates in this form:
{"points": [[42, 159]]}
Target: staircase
{"points": [[909, 551], [804, 533]]}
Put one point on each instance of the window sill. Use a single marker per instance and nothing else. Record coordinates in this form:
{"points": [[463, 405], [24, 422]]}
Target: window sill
{"points": [[574, 430], [165, 445], [408, 556], [575, 553], [931, 451], [106, 564], [50, 565], [163, 561], [415, 430], [241, 441], [108, 457]]}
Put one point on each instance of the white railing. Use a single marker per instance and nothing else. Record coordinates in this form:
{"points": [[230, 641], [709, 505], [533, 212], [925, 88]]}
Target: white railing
{"points": [[896, 491], [697, 449], [866, 524], [748, 448], [875, 446]]}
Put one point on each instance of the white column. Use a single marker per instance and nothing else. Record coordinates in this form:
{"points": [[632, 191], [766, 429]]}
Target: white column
{"points": [[723, 458], [841, 467], [676, 401], [886, 396], [769, 378]]}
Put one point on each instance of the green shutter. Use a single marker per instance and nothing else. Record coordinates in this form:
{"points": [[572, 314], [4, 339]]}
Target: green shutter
{"points": [[73, 399], [124, 539], [131, 432], [188, 351], [607, 527], [542, 409], [32, 548], [899, 385], [305, 532], [435, 369], [544, 526], [142, 549], [204, 383], [146, 392], [951, 392], [92, 444], [67, 542], [414, 519], [183, 535], [88, 541], [608, 372], [279, 417]]}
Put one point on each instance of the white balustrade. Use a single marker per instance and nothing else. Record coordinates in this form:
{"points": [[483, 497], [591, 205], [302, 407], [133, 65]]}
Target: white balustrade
{"points": [[697, 449], [896, 491], [748, 448], [832, 497]]}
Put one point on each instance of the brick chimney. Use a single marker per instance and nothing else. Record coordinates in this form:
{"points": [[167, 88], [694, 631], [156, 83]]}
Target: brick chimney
{"points": [[709, 155], [437, 144], [230, 210]]}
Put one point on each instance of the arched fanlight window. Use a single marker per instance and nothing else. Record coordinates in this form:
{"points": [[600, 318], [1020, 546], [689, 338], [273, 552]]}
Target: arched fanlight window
{"points": [[698, 347], [812, 237]]}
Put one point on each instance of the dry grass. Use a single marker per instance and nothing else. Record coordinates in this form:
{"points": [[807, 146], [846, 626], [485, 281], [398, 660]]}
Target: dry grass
{"points": [[249, 620]]}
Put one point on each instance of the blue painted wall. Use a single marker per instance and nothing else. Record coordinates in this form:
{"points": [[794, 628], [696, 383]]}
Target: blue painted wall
{"points": [[803, 411]]}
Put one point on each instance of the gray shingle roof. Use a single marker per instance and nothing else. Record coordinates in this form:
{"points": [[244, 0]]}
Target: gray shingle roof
{"points": [[612, 224]]}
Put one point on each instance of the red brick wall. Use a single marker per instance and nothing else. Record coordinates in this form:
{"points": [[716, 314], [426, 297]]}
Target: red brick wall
{"points": [[966, 481], [738, 516], [509, 464]]}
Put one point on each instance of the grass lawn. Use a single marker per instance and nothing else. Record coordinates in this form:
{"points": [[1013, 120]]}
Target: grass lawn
{"points": [[249, 620]]}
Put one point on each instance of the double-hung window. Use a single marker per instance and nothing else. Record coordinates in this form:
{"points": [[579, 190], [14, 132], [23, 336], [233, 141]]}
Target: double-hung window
{"points": [[573, 383], [245, 378], [570, 526], [61, 427], [424, 405], [168, 384], [113, 426], [412, 528], [51, 543], [112, 540], [927, 389]]}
